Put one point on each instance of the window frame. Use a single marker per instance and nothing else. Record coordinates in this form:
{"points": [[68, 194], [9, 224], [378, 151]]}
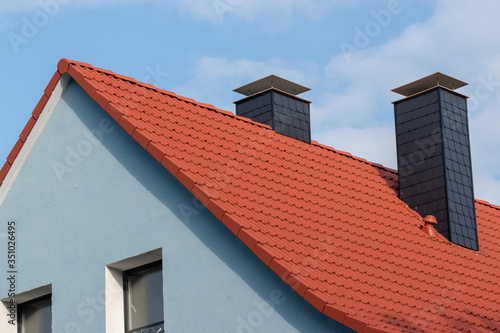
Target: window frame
{"points": [[143, 269], [31, 303]]}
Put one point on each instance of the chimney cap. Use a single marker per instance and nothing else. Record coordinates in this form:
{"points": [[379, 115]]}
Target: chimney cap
{"points": [[434, 80], [271, 81]]}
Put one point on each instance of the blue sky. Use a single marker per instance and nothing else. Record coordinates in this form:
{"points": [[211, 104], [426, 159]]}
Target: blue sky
{"points": [[350, 53]]}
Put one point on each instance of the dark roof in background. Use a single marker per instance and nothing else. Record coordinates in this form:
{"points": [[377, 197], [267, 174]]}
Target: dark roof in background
{"points": [[329, 224]]}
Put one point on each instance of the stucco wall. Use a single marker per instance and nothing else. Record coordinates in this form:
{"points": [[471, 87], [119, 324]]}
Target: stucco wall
{"points": [[83, 201]]}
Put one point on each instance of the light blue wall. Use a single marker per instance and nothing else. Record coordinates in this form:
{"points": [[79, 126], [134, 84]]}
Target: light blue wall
{"points": [[118, 202]]}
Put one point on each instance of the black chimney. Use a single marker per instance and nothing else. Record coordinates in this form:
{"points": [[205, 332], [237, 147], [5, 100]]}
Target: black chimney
{"points": [[273, 101], [434, 159]]}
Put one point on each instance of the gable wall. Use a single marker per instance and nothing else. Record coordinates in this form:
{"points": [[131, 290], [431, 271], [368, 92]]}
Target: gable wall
{"points": [[89, 195]]}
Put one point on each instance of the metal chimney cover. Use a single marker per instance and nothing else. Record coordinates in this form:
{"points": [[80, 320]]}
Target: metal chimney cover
{"points": [[271, 81], [434, 80]]}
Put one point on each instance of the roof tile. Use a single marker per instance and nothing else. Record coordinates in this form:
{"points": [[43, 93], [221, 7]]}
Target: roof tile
{"points": [[156, 151], [142, 138], [231, 223], [263, 254], [370, 329], [296, 282], [278, 267], [63, 66], [102, 99], [39, 107], [315, 300], [27, 129], [170, 164], [15, 151], [115, 111], [335, 313], [248, 237], [354, 323], [4, 170], [128, 124], [186, 178], [52, 84], [215, 207]]}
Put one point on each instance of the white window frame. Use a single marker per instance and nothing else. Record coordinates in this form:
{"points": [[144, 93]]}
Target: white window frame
{"points": [[115, 300], [21, 298]]}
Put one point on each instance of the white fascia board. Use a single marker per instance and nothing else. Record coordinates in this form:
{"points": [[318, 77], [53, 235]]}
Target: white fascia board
{"points": [[33, 136]]}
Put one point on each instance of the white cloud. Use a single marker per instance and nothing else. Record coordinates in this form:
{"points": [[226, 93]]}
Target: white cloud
{"points": [[363, 142], [352, 107], [215, 78], [486, 188], [347, 108], [456, 40]]}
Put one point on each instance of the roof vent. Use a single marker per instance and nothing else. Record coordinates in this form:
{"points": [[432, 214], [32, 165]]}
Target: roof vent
{"points": [[273, 101], [434, 159], [428, 228]]}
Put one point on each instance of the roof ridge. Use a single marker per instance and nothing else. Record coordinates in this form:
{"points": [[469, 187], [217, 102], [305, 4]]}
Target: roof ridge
{"points": [[487, 203], [347, 154], [67, 62], [64, 64]]}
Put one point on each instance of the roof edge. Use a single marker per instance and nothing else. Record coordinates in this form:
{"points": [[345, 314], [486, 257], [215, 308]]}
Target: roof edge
{"points": [[487, 203], [64, 66], [31, 132], [344, 153]]}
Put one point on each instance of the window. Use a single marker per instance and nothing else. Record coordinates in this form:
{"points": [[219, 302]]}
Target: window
{"points": [[35, 316], [143, 295]]}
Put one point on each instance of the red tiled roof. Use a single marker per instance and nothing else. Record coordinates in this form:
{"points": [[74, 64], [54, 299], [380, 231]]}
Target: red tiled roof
{"points": [[329, 224]]}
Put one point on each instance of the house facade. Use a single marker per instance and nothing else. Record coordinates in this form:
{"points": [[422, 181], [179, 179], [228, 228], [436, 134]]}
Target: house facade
{"points": [[127, 208]]}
